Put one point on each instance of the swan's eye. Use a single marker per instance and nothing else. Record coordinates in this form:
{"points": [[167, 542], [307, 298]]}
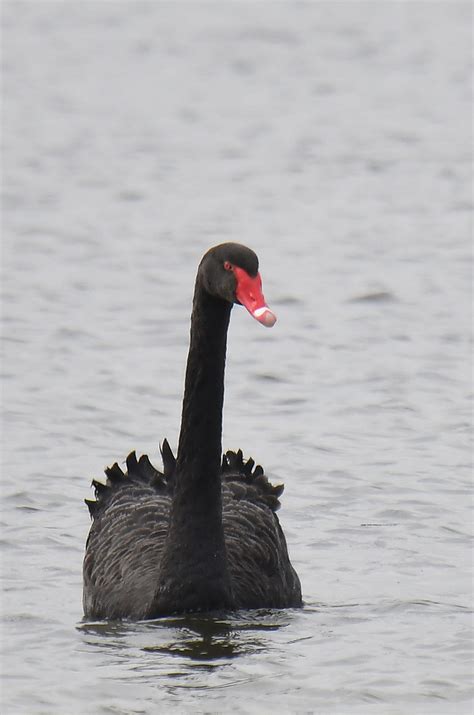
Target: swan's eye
{"points": [[228, 266]]}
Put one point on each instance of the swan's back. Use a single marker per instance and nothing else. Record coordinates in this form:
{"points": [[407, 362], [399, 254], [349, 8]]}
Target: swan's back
{"points": [[130, 524], [126, 539], [260, 568]]}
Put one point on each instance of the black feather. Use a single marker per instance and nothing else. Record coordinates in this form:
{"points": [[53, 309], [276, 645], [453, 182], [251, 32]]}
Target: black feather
{"points": [[114, 473], [92, 506], [132, 464], [169, 461]]}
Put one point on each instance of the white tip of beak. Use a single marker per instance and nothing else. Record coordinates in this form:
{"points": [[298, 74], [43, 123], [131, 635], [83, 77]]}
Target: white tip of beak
{"points": [[265, 316]]}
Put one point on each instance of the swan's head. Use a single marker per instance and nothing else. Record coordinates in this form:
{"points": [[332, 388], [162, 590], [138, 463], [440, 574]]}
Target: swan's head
{"points": [[230, 271]]}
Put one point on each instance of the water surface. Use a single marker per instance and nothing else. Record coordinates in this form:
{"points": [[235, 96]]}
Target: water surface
{"points": [[334, 139]]}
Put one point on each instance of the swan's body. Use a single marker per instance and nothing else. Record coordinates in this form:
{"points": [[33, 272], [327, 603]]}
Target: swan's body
{"points": [[203, 534]]}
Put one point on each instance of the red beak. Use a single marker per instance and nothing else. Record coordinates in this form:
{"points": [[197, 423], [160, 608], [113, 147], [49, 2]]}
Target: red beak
{"points": [[249, 293]]}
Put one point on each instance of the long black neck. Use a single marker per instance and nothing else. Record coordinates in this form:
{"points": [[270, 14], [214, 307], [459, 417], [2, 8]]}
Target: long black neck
{"points": [[200, 439], [194, 572]]}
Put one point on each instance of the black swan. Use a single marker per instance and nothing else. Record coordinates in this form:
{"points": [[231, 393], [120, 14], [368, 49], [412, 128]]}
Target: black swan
{"points": [[203, 534]]}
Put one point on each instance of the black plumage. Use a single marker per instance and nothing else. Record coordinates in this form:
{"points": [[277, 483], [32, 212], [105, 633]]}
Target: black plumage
{"points": [[203, 533]]}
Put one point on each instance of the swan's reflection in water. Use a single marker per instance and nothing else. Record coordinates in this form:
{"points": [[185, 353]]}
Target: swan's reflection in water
{"points": [[174, 645], [207, 638]]}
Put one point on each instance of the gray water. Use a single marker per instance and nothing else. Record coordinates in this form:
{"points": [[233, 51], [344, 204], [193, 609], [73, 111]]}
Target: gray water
{"points": [[334, 139]]}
